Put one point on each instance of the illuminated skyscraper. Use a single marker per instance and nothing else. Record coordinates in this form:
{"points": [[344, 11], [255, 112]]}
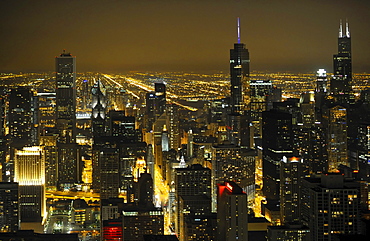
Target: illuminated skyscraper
{"points": [[238, 123], [98, 109], [66, 97], [337, 137], [30, 174], [68, 167], [291, 173], [321, 81], [239, 76], [260, 90], [173, 130], [341, 82], [47, 112]]}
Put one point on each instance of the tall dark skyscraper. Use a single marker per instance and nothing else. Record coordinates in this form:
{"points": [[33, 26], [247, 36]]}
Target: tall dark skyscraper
{"points": [[240, 94], [22, 121], [341, 82], [66, 97], [68, 167], [239, 74]]}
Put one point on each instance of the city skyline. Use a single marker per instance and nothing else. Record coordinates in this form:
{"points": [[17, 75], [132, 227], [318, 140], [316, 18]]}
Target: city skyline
{"points": [[121, 36]]}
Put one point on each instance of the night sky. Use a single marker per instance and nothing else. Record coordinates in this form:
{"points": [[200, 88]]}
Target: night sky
{"points": [[175, 35]]}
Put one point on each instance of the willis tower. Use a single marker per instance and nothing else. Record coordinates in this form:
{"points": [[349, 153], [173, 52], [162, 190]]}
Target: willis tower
{"points": [[341, 82]]}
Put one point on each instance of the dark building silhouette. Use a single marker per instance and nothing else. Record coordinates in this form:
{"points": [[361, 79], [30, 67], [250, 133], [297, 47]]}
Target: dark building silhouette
{"points": [[341, 82], [9, 208], [330, 206], [66, 97], [155, 104], [30, 235], [22, 117], [68, 163], [145, 189], [232, 212], [277, 132]]}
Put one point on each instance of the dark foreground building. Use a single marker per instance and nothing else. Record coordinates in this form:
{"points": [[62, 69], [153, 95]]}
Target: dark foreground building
{"points": [[30, 235]]}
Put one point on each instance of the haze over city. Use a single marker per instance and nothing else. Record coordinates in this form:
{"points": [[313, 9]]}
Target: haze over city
{"points": [[190, 35], [185, 120]]}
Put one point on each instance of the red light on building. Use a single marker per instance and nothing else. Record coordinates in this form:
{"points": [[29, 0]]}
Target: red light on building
{"points": [[229, 187], [113, 231]]}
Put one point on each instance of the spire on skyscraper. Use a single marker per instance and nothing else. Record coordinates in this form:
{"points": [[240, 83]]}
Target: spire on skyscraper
{"points": [[238, 30], [340, 29], [347, 29]]}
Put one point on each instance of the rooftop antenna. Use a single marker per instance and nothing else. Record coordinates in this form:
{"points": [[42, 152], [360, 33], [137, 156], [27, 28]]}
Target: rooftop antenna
{"points": [[340, 29], [347, 29], [238, 30]]}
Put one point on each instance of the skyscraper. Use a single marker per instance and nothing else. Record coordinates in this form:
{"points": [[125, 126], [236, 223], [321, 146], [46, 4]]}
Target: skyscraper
{"points": [[9, 208], [66, 97], [238, 132], [291, 173], [30, 174], [341, 82], [337, 137], [239, 74], [22, 121], [66, 119], [232, 212], [277, 130], [99, 104], [330, 206]]}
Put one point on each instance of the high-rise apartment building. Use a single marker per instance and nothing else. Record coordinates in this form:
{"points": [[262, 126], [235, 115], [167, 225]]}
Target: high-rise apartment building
{"points": [[330, 206], [291, 174]]}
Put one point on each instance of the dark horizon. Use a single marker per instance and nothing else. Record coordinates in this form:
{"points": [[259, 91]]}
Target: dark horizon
{"points": [[121, 36]]}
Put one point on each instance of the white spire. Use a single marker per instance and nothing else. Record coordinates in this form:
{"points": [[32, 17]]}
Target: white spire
{"points": [[347, 29], [340, 29], [238, 30]]}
